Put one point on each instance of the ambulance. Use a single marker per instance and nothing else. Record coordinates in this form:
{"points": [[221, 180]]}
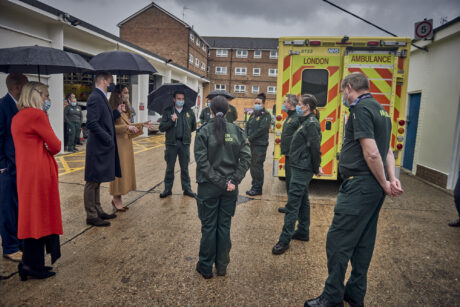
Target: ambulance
{"points": [[316, 65]]}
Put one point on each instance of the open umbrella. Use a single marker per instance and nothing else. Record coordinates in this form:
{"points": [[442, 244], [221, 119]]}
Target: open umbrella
{"points": [[162, 97], [122, 63], [41, 61], [213, 94]]}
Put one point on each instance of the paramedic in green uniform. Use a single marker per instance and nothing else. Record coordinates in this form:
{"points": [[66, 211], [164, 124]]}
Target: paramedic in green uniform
{"points": [[257, 129], [73, 118], [178, 122], [232, 114], [205, 115], [367, 166], [305, 160], [290, 125], [222, 156]]}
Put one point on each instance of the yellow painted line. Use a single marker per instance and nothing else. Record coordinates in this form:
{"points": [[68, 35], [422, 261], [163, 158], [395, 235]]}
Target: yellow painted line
{"points": [[64, 164]]}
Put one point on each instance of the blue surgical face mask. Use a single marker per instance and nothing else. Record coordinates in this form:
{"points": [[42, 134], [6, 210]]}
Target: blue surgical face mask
{"points": [[111, 87], [208, 104], [283, 107], [258, 107], [73, 104], [180, 103], [345, 102], [47, 105], [298, 109]]}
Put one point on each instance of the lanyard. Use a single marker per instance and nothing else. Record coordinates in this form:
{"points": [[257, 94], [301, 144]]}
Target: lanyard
{"points": [[355, 102]]}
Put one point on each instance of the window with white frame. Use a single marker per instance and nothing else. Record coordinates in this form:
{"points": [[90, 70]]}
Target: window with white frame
{"points": [[239, 88], [241, 53], [220, 70], [273, 54], [272, 72], [257, 54], [208, 70], [271, 89], [221, 53], [219, 87], [256, 71], [255, 89], [192, 37], [197, 62], [198, 42], [190, 58], [203, 66], [240, 71], [204, 48]]}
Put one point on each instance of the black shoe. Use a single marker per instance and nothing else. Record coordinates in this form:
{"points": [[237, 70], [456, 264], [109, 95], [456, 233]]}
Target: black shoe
{"points": [[165, 194], [106, 216], [98, 222], [24, 273], [321, 301], [79, 143], [280, 248], [455, 223], [189, 193], [221, 271], [282, 209], [74, 150], [253, 192], [300, 237], [205, 275], [351, 302]]}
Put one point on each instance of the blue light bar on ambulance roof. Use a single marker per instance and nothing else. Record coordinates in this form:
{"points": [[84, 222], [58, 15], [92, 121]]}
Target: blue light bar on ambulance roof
{"points": [[393, 43]]}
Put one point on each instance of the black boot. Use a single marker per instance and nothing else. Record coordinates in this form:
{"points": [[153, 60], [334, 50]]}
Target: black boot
{"points": [[321, 301], [165, 193], [282, 209], [280, 248], [24, 273], [455, 223]]}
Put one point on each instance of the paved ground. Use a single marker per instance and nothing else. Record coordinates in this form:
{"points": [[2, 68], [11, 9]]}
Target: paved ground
{"points": [[148, 255]]}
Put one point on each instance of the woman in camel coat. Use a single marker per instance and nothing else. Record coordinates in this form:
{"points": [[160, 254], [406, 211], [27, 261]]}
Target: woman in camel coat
{"points": [[125, 132]]}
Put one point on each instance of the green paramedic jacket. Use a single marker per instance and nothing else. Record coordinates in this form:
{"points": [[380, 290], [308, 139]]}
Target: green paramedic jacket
{"points": [[169, 126], [216, 163], [258, 126]]}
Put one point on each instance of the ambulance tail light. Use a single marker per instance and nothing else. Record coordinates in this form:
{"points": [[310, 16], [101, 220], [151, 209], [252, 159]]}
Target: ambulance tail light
{"points": [[401, 130], [402, 122], [399, 146], [278, 125], [277, 140], [279, 118], [373, 43], [315, 43]]}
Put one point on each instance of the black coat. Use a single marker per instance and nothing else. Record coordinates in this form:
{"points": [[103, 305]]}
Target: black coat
{"points": [[7, 159], [102, 161]]}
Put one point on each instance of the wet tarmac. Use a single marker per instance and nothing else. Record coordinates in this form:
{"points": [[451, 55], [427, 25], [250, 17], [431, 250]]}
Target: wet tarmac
{"points": [[148, 256]]}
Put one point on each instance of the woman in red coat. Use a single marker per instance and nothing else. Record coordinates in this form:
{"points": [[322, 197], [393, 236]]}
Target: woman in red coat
{"points": [[39, 222]]}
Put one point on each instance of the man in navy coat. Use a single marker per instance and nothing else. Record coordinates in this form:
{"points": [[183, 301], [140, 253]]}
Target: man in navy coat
{"points": [[102, 161], [8, 190]]}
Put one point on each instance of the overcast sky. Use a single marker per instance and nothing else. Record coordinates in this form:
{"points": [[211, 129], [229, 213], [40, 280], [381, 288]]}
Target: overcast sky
{"points": [[272, 18]]}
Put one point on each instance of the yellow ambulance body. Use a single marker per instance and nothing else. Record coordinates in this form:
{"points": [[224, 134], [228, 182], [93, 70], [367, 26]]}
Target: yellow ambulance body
{"points": [[316, 65]]}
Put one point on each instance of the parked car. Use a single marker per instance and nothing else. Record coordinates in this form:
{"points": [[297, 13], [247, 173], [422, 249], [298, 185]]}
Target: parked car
{"points": [[82, 104], [155, 119]]}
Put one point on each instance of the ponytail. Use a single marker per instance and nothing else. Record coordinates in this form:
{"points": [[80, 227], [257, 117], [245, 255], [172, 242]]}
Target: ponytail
{"points": [[219, 106], [312, 102]]}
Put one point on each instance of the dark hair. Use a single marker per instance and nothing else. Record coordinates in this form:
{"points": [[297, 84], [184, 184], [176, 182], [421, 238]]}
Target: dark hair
{"points": [[178, 92], [262, 97], [312, 102], [103, 74], [68, 96], [219, 106], [115, 97]]}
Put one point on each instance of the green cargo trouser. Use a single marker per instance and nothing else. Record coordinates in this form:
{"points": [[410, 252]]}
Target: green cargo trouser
{"points": [[298, 205], [351, 237], [287, 172], [258, 154], [215, 210], [72, 128], [171, 152]]}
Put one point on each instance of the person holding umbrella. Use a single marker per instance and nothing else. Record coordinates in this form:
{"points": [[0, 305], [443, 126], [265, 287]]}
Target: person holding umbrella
{"points": [[178, 122], [8, 190], [102, 162], [222, 157], [39, 219]]}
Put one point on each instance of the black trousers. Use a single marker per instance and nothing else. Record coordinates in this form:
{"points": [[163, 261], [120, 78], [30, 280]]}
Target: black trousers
{"points": [[34, 251]]}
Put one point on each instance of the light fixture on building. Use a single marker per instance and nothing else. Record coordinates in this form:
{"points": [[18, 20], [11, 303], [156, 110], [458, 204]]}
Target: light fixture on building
{"points": [[67, 18]]}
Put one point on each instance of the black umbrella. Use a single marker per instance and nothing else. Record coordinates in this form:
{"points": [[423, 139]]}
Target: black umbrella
{"points": [[41, 61], [213, 94], [162, 97], [122, 63]]}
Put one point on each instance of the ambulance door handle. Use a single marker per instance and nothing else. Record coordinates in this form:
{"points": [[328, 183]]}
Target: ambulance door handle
{"points": [[328, 125]]}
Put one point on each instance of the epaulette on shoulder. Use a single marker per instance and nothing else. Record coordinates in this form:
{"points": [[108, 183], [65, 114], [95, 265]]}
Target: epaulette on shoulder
{"points": [[202, 125]]}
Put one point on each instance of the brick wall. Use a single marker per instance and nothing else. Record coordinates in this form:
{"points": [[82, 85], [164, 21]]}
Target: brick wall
{"points": [[432, 176], [159, 33], [197, 52]]}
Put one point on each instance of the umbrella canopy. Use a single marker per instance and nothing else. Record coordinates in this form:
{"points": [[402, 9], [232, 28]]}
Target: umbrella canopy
{"points": [[213, 94], [162, 97], [122, 63], [41, 60]]}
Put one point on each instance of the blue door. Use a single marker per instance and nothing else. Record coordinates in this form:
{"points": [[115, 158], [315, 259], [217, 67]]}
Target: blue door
{"points": [[411, 130]]}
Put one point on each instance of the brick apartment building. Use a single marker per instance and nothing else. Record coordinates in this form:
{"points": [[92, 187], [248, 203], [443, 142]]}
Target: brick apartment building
{"points": [[162, 33], [243, 66]]}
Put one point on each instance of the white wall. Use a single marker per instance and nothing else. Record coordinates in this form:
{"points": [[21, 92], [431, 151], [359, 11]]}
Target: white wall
{"points": [[435, 75]]}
